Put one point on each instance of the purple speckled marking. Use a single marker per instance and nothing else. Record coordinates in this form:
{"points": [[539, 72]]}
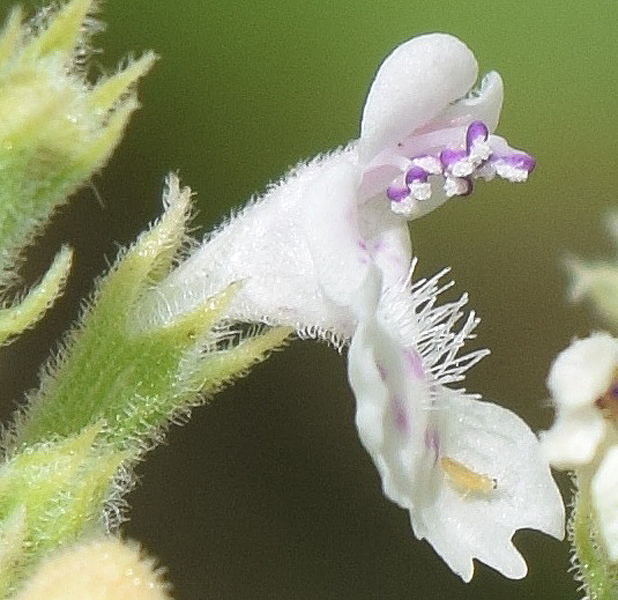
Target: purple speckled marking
{"points": [[397, 193], [401, 420], [476, 130], [382, 371], [414, 364], [432, 442], [416, 174]]}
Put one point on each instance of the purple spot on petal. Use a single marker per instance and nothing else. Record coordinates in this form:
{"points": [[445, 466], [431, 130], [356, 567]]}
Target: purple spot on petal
{"points": [[476, 130], [432, 442], [401, 420], [382, 371], [413, 363], [397, 192]]}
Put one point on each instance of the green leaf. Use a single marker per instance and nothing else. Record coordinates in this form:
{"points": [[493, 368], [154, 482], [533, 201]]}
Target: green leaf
{"points": [[24, 314]]}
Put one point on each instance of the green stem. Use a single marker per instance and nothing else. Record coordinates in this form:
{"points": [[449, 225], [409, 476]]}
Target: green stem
{"points": [[597, 574]]}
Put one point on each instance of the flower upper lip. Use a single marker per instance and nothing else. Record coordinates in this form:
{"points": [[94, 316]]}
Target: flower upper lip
{"points": [[418, 117], [414, 84], [579, 377]]}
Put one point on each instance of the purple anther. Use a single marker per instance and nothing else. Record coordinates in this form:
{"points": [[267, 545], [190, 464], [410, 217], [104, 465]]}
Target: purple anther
{"points": [[476, 130], [396, 193], [449, 157], [521, 161], [416, 174]]}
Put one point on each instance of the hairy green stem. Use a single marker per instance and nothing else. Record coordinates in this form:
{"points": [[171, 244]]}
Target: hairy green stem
{"points": [[598, 576]]}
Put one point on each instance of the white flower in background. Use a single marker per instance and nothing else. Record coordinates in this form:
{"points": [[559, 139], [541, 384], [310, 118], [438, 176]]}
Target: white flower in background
{"points": [[596, 281], [583, 382], [327, 250], [469, 472]]}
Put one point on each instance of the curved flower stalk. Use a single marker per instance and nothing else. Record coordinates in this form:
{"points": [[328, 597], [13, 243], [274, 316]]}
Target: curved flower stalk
{"points": [[327, 251], [303, 249]]}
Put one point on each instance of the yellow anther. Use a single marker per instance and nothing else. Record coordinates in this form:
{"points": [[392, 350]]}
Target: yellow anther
{"points": [[466, 480]]}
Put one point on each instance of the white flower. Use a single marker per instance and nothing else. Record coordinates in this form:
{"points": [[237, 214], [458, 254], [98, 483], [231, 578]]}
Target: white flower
{"points": [[327, 250], [469, 472], [302, 249], [583, 382]]}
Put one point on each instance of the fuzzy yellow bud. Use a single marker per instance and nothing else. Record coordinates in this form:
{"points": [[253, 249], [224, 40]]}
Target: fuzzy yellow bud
{"points": [[101, 569]]}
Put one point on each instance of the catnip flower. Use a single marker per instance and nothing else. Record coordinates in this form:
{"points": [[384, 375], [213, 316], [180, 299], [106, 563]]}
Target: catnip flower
{"points": [[303, 249], [327, 251], [583, 382]]}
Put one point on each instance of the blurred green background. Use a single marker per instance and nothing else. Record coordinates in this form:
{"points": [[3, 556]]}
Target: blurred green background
{"points": [[267, 493]]}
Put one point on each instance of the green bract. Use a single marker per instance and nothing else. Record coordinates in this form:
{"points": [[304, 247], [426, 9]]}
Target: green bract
{"points": [[112, 390], [56, 130], [133, 376], [52, 492], [117, 381]]}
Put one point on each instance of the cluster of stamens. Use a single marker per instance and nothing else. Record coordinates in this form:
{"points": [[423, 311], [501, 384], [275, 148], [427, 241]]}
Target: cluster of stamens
{"points": [[457, 168]]}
